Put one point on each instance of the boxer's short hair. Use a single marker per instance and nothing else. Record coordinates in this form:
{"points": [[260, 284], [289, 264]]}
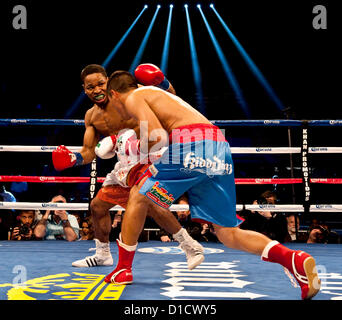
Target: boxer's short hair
{"points": [[121, 81], [92, 68]]}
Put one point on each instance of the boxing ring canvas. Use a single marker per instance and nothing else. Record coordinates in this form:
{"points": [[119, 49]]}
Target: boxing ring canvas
{"points": [[41, 270]]}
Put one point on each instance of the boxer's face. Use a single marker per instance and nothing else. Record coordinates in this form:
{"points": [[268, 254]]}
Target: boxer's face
{"points": [[95, 85]]}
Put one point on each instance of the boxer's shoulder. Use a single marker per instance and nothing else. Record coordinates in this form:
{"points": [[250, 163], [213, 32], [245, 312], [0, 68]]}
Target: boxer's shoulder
{"points": [[92, 115]]}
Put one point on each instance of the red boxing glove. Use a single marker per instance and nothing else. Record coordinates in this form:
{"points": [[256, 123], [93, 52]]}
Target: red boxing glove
{"points": [[150, 75], [63, 158]]}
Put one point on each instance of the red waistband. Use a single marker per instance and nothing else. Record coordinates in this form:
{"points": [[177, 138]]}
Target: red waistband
{"points": [[196, 132]]}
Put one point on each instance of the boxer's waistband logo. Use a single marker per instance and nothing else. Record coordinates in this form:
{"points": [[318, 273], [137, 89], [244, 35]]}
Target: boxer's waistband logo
{"points": [[215, 165], [160, 195]]}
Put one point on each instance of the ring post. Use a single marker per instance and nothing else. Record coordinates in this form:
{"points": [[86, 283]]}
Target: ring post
{"points": [[93, 183], [305, 167]]}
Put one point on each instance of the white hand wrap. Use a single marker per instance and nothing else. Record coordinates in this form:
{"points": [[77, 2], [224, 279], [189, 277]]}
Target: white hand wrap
{"points": [[105, 148], [125, 143]]}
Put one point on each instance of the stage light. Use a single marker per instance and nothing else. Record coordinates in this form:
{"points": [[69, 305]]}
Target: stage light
{"points": [[195, 66], [252, 66], [211, 6], [165, 54], [198, 6], [105, 63], [185, 6], [158, 6], [146, 6], [141, 49], [227, 69]]}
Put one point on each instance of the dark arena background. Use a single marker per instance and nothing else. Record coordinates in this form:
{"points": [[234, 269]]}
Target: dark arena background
{"points": [[266, 72]]}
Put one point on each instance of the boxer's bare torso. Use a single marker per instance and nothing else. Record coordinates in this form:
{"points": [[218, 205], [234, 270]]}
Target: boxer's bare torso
{"points": [[103, 122], [159, 109]]}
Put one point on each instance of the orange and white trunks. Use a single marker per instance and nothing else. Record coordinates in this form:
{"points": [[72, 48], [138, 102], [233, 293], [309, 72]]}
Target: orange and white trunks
{"points": [[116, 193]]}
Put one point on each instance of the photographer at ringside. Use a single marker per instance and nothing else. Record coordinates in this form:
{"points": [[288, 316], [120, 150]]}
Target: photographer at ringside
{"points": [[321, 233], [23, 228], [57, 224], [272, 224]]}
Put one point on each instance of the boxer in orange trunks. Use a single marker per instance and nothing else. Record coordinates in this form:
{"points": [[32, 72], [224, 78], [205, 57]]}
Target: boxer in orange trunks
{"points": [[103, 121]]}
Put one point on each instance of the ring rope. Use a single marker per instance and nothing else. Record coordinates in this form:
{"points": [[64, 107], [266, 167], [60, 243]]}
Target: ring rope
{"points": [[51, 179], [234, 150], [304, 124], [175, 207], [264, 123]]}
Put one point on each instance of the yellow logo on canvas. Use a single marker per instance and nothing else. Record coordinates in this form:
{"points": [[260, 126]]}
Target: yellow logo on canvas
{"points": [[65, 286]]}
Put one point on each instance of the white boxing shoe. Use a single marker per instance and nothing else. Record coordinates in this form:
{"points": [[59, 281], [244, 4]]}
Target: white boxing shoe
{"points": [[93, 261], [194, 253], [193, 249], [102, 257]]}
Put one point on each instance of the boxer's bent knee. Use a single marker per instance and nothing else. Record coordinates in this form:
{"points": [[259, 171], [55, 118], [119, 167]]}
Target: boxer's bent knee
{"points": [[138, 199], [225, 234], [99, 207]]}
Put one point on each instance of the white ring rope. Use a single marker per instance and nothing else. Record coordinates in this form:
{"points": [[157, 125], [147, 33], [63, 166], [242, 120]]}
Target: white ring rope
{"points": [[175, 207], [235, 150]]}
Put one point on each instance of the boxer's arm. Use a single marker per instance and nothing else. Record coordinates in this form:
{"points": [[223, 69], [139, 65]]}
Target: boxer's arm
{"points": [[150, 75], [139, 109], [171, 89], [90, 140]]}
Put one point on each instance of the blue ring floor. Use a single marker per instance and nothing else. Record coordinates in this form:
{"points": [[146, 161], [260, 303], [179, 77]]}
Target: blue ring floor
{"points": [[41, 270]]}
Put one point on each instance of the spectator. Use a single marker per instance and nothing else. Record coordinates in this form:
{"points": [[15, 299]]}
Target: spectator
{"points": [[272, 224], [23, 229], [321, 233], [87, 230], [294, 234], [57, 224], [79, 216], [184, 217], [208, 233], [19, 189], [3, 225], [6, 195], [116, 225], [77, 197], [4, 222]]}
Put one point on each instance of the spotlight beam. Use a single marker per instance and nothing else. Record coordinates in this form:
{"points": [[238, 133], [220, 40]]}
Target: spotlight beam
{"points": [[165, 54], [116, 48], [226, 68], [141, 49], [195, 65], [255, 70], [105, 63]]}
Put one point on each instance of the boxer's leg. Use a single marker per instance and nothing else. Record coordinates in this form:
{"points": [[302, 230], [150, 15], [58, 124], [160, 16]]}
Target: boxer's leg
{"points": [[299, 263], [105, 199], [101, 218]]}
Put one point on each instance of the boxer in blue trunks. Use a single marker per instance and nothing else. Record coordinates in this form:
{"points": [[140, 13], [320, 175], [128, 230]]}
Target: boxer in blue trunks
{"points": [[197, 161], [203, 168]]}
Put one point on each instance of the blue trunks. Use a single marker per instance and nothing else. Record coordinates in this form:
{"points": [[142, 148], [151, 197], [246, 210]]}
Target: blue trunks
{"points": [[198, 161]]}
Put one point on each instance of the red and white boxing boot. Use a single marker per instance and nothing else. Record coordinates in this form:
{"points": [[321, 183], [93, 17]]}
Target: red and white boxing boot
{"points": [[122, 274], [299, 263]]}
